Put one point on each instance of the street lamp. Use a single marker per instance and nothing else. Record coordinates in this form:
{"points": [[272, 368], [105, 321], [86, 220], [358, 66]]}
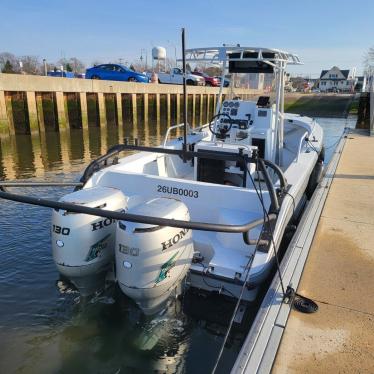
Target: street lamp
{"points": [[45, 66], [146, 58]]}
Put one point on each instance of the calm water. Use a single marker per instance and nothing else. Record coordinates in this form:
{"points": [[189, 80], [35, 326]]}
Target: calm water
{"points": [[45, 331]]}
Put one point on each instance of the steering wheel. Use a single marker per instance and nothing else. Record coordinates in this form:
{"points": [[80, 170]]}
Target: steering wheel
{"points": [[223, 130]]}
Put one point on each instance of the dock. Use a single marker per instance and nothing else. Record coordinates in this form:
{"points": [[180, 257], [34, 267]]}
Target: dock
{"points": [[331, 261]]}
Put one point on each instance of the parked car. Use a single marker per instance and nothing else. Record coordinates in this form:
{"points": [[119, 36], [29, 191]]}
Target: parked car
{"points": [[209, 81], [115, 72], [59, 73], [226, 82], [176, 77]]}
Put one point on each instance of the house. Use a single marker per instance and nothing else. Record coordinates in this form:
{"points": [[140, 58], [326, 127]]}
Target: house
{"points": [[336, 80]]}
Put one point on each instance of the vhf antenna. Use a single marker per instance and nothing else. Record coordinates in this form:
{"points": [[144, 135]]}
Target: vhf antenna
{"points": [[184, 96]]}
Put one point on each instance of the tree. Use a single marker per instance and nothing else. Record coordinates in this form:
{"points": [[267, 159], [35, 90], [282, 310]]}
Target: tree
{"points": [[96, 63], [8, 68], [12, 59], [213, 71], [32, 65], [72, 64], [77, 65]]}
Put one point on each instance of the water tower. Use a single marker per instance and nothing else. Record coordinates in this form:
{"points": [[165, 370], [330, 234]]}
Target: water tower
{"points": [[159, 54]]}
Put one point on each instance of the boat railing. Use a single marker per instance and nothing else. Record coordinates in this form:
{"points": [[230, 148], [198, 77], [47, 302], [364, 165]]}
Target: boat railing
{"points": [[172, 128], [301, 142], [200, 128], [95, 165], [102, 161]]}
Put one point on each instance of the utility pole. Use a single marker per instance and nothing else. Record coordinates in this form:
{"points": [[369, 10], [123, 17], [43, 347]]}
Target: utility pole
{"points": [[143, 50], [45, 66]]}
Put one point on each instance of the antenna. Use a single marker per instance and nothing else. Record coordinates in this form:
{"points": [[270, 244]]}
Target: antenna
{"points": [[184, 96]]}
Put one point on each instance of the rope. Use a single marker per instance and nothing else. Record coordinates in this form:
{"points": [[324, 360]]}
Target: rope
{"points": [[233, 314]]}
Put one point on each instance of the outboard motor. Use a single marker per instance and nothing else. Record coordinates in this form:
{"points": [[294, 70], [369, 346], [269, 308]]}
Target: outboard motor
{"points": [[151, 261], [83, 245]]}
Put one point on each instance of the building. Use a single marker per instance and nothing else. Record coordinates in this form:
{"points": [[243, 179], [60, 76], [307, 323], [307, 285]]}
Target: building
{"points": [[336, 80]]}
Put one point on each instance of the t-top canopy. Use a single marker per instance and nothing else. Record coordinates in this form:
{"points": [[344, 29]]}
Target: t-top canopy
{"points": [[244, 59]]}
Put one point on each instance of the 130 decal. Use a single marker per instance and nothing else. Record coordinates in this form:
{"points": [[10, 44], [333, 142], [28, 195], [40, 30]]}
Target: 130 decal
{"points": [[178, 191], [60, 230]]}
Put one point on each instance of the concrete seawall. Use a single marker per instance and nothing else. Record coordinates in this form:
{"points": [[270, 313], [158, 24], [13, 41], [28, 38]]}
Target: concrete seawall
{"points": [[31, 104], [319, 105]]}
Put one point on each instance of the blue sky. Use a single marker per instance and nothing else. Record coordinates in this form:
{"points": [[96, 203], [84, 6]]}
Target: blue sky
{"points": [[323, 33]]}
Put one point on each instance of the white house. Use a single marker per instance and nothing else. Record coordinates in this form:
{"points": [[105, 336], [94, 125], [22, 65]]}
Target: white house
{"points": [[337, 80]]}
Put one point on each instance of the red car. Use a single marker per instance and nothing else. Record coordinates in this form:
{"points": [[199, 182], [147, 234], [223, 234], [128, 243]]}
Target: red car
{"points": [[209, 81]]}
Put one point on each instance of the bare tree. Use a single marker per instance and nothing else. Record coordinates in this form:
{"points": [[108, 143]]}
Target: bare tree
{"points": [[77, 65], [96, 62], [213, 71], [136, 66], [72, 64], [31, 65]]}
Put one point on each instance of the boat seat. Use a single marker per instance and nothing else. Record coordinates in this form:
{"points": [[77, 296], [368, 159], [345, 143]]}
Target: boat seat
{"points": [[228, 262], [161, 166], [236, 217], [176, 168], [230, 253]]}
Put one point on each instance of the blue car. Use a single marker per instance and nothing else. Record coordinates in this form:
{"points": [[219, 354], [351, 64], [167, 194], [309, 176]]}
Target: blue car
{"points": [[59, 73], [115, 72]]}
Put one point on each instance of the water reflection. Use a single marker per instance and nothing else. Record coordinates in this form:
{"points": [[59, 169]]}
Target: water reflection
{"points": [[26, 156]]}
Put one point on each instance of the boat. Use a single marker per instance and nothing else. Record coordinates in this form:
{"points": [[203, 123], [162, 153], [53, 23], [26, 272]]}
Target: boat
{"points": [[207, 210]]}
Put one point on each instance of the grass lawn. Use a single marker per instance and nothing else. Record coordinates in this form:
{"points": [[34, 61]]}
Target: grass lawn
{"points": [[320, 105]]}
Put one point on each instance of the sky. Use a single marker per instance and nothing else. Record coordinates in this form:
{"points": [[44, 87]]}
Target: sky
{"points": [[322, 33]]}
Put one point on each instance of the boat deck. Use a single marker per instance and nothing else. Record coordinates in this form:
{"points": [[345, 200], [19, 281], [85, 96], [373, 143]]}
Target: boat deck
{"points": [[339, 276]]}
